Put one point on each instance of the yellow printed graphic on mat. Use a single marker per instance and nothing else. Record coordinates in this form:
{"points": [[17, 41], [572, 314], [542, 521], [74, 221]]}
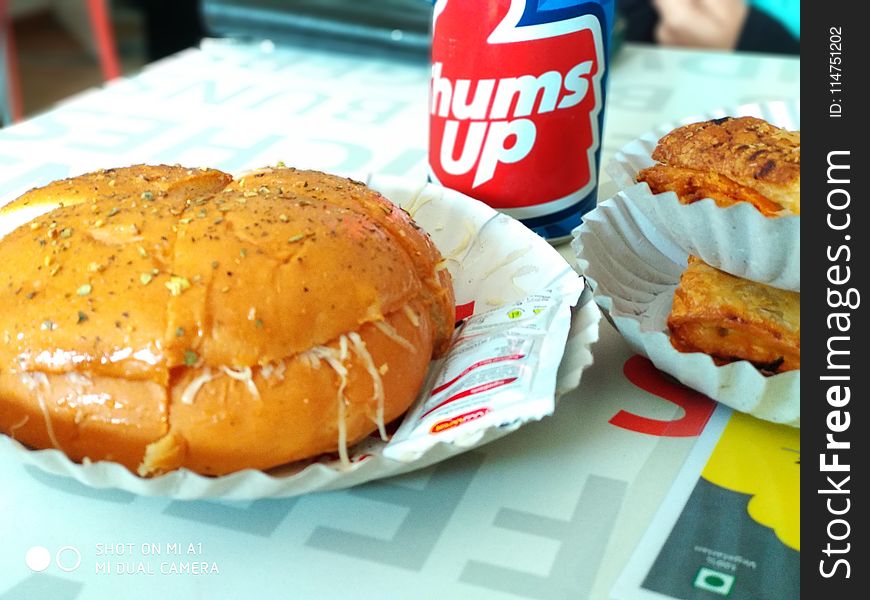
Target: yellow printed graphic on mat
{"points": [[762, 460]]}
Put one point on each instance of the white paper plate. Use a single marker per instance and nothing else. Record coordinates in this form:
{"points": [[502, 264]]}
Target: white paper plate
{"points": [[737, 239], [634, 270], [493, 259]]}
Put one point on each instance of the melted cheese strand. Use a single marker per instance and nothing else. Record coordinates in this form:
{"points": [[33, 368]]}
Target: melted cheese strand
{"points": [[416, 203], [506, 261], [389, 331], [18, 426], [192, 389], [275, 368], [33, 382], [243, 374], [333, 359], [463, 245], [359, 346], [80, 380], [310, 359], [413, 317], [524, 270]]}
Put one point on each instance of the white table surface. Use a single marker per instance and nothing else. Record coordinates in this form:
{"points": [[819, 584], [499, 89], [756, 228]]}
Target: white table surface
{"points": [[552, 511]]}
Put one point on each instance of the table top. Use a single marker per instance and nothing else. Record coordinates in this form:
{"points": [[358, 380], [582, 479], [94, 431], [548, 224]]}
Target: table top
{"points": [[555, 510]]}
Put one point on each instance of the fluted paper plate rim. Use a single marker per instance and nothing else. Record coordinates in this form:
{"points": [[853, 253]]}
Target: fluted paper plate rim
{"points": [[439, 211], [738, 239], [633, 271]]}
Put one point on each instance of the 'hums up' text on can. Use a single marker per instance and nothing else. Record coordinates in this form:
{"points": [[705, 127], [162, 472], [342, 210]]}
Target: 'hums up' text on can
{"points": [[517, 105]]}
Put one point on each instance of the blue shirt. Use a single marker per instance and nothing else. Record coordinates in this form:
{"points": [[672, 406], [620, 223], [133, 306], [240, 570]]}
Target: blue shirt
{"points": [[788, 12]]}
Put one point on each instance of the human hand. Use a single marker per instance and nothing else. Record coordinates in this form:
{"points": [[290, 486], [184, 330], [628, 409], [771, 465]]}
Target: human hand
{"points": [[700, 23]]}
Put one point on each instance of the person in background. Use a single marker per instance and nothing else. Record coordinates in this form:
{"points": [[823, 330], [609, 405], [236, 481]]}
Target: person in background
{"points": [[752, 25]]}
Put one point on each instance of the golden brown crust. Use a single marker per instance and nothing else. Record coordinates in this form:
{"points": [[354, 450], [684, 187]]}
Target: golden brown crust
{"points": [[175, 184], [138, 294], [344, 194], [747, 150], [86, 280], [102, 418], [221, 427], [691, 185], [226, 429], [735, 319], [334, 269]]}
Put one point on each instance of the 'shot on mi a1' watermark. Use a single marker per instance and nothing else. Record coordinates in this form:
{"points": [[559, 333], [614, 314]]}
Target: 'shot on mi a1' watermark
{"points": [[118, 559]]}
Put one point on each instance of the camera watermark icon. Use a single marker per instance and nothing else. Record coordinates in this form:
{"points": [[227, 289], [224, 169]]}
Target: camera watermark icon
{"points": [[67, 559]]}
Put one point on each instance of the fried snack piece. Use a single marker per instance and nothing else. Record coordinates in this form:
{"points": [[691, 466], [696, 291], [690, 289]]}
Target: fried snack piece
{"points": [[731, 160], [732, 319], [691, 185]]}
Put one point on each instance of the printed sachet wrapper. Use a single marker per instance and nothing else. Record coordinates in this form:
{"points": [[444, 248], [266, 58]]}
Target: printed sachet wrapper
{"points": [[499, 267], [634, 269], [737, 239], [500, 371]]}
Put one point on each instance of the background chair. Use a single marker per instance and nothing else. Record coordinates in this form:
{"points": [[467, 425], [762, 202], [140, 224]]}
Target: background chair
{"points": [[11, 108]]}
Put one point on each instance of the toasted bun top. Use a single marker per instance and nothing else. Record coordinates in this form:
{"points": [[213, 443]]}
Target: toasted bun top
{"points": [[148, 268], [172, 184], [747, 150]]}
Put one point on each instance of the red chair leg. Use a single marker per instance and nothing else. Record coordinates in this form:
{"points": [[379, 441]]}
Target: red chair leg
{"points": [[9, 55], [104, 35]]}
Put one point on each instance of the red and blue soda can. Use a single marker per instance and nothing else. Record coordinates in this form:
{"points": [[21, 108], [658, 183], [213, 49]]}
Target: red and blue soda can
{"points": [[517, 105]]}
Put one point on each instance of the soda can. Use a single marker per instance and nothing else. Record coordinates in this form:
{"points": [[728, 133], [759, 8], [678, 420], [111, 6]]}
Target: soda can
{"points": [[516, 105]]}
